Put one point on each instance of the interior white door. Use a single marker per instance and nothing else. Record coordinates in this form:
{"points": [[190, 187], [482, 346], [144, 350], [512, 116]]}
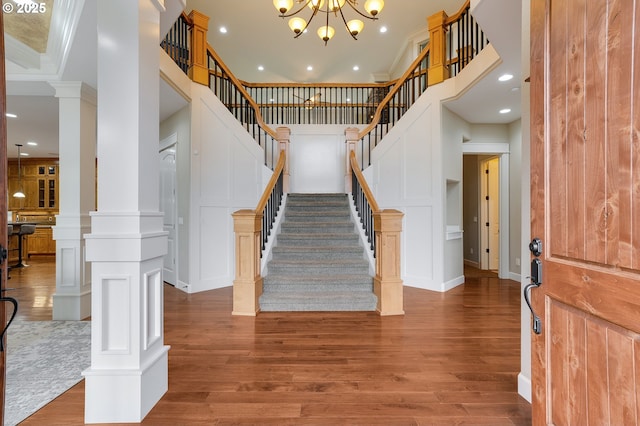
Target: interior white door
{"points": [[490, 213], [168, 205]]}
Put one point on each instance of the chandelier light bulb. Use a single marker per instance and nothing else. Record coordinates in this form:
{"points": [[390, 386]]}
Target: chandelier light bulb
{"points": [[283, 6], [316, 4], [355, 26], [336, 5], [297, 24], [373, 7], [326, 32]]}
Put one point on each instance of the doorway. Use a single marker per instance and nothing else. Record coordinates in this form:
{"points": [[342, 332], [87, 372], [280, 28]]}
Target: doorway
{"points": [[169, 205], [489, 180], [486, 221]]}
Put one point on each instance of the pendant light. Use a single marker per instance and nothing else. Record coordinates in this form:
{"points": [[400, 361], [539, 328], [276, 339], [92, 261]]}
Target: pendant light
{"points": [[19, 193]]}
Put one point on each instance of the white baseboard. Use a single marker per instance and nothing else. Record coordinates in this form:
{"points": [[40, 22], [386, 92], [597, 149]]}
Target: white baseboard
{"points": [[446, 286], [472, 263], [524, 387], [515, 277]]}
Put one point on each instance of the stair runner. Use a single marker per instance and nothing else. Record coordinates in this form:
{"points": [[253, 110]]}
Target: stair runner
{"points": [[318, 263]]}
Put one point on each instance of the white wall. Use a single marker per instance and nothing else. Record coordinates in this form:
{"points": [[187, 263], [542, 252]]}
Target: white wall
{"points": [[227, 174], [409, 172], [317, 158], [454, 131], [515, 212]]}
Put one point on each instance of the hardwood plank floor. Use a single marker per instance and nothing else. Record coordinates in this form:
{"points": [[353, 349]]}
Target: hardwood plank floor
{"points": [[452, 359]]}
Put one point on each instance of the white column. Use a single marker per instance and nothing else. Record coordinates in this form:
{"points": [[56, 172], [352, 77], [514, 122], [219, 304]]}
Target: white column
{"points": [[129, 365], [77, 140]]}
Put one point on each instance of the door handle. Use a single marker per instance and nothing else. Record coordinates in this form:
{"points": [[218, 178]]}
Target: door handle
{"points": [[14, 302], [535, 246], [537, 323]]}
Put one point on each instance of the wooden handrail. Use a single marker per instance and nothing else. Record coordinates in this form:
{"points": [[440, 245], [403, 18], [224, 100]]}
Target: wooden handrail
{"points": [[458, 14], [408, 73], [272, 182], [328, 85], [242, 90], [363, 183], [186, 18]]}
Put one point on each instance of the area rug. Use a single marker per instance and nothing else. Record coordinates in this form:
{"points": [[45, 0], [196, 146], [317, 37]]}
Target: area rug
{"points": [[44, 359]]}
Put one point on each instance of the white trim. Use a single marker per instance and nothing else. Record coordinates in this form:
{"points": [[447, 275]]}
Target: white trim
{"points": [[515, 276], [472, 263], [167, 142], [446, 286], [485, 148], [524, 387], [505, 202]]}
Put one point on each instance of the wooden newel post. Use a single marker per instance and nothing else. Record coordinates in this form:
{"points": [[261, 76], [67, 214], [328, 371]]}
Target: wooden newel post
{"points": [[387, 284], [199, 68], [247, 287], [438, 69]]}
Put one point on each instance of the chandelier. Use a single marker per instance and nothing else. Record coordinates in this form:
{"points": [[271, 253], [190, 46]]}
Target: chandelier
{"points": [[328, 7]]}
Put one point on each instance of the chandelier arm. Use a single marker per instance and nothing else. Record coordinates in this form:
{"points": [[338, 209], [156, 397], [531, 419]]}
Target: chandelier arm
{"points": [[373, 18], [346, 25], [288, 15], [327, 26], [315, 12]]}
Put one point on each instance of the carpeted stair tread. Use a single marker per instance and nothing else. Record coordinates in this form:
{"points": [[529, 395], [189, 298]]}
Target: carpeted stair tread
{"points": [[318, 262], [340, 301]]}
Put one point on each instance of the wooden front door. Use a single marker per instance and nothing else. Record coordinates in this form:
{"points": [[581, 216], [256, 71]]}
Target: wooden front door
{"points": [[585, 195]]}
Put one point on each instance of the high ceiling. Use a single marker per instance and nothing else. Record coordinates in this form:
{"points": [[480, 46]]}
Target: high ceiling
{"points": [[256, 36]]}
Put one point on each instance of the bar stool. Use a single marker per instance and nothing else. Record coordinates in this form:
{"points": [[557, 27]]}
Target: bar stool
{"points": [[25, 229]]}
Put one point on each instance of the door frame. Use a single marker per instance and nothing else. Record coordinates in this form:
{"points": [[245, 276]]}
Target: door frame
{"points": [[486, 241], [166, 143], [500, 150]]}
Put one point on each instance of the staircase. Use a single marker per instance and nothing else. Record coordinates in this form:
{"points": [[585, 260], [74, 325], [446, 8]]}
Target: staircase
{"points": [[318, 263]]}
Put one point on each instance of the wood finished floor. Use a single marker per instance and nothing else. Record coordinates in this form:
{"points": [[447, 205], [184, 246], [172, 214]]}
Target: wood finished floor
{"points": [[453, 359]]}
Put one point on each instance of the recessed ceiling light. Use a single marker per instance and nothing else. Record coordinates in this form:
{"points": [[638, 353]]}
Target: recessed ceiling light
{"points": [[272, 100], [383, 29], [309, 68], [10, 115], [356, 68], [223, 30], [260, 68], [505, 110], [515, 89], [32, 143], [24, 154], [505, 77]]}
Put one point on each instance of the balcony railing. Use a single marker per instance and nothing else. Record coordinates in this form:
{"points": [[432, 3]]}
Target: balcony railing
{"points": [[177, 42], [378, 106]]}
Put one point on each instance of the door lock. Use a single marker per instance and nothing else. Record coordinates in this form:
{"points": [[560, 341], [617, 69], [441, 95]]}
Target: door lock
{"points": [[535, 246]]}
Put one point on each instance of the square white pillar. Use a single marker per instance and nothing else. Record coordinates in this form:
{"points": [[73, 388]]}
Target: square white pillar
{"points": [[77, 130], [129, 361]]}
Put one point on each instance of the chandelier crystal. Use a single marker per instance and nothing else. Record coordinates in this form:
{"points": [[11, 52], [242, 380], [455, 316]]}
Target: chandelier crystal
{"points": [[336, 7]]}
